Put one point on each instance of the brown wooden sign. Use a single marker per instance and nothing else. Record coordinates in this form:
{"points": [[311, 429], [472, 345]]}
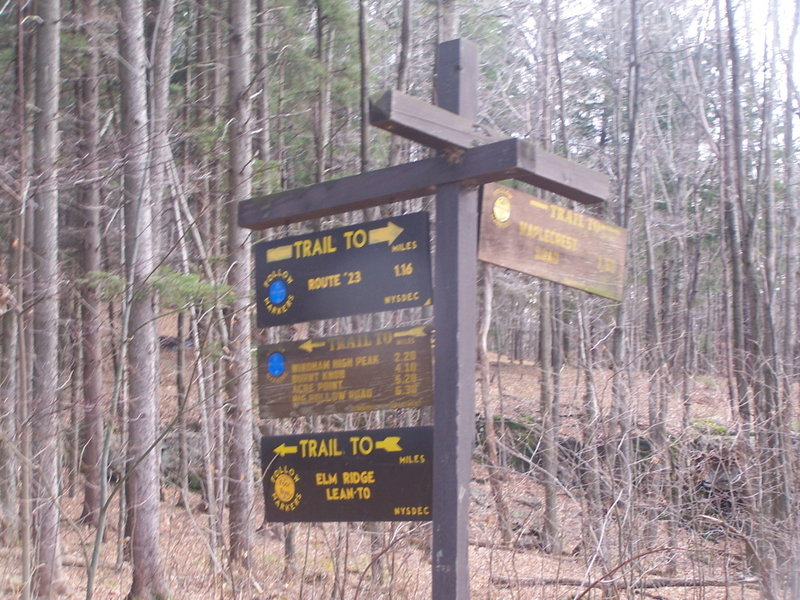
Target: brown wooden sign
{"points": [[373, 475], [347, 373], [522, 232]]}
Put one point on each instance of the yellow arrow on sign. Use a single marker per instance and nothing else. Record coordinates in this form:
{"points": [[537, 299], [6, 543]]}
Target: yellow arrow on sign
{"points": [[390, 444], [283, 450], [387, 234], [279, 253], [413, 332], [309, 345], [538, 204]]}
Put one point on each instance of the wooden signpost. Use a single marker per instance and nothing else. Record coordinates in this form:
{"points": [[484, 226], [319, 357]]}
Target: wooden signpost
{"points": [[455, 321], [469, 156]]}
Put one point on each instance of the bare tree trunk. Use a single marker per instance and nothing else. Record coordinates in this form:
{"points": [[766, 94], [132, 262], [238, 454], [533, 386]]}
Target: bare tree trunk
{"points": [[734, 243], [492, 462], [621, 458], [549, 342], [44, 406], [790, 300], [549, 415], [71, 361], [10, 388], [688, 366], [240, 416], [654, 484], [21, 271], [765, 547], [91, 318], [774, 404], [656, 362], [322, 127], [619, 386], [9, 511], [143, 476], [203, 400], [590, 427], [790, 240], [363, 46], [160, 118], [262, 141], [448, 20], [396, 143], [181, 392], [212, 114]]}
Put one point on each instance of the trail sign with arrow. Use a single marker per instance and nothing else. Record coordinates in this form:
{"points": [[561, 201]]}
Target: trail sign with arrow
{"points": [[373, 475], [368, 267], [346, 373], [522, 232]]}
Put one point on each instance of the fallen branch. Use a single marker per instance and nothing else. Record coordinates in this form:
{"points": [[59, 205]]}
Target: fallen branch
{"points": [[639, 585]]}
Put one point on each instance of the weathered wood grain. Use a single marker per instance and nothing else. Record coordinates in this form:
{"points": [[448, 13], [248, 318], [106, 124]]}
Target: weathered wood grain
{"points": [[427, 124], [507, 159]]}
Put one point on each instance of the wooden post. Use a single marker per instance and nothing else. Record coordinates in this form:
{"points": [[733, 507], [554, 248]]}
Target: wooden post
{"points": [[455, 321]]}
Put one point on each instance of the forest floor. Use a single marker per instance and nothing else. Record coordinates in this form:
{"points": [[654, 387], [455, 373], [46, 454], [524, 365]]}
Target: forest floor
{"points": [[335, 560]]}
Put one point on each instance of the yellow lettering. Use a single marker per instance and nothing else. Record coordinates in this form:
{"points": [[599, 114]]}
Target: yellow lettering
{"points": [[350, 342], [361, 445], [327, 396], [328, 386], [360, 394], [308, 448], [326, 281], [546, 255], [326, 478], [412, 459], [333, 375], [308, 248], [412, 511], [412, 245], [400, 298], [323, 449], [348, 493], [355, 239], [304, 377], [368, 360], [358, 477], [312, 365], [548, 236]]}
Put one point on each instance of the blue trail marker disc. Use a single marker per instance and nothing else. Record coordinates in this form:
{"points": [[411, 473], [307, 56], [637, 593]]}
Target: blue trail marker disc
{"points": [[278, 292], [276, 364]]}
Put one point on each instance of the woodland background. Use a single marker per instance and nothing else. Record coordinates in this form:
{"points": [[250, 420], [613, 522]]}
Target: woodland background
{"points": [[641, 448]]}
